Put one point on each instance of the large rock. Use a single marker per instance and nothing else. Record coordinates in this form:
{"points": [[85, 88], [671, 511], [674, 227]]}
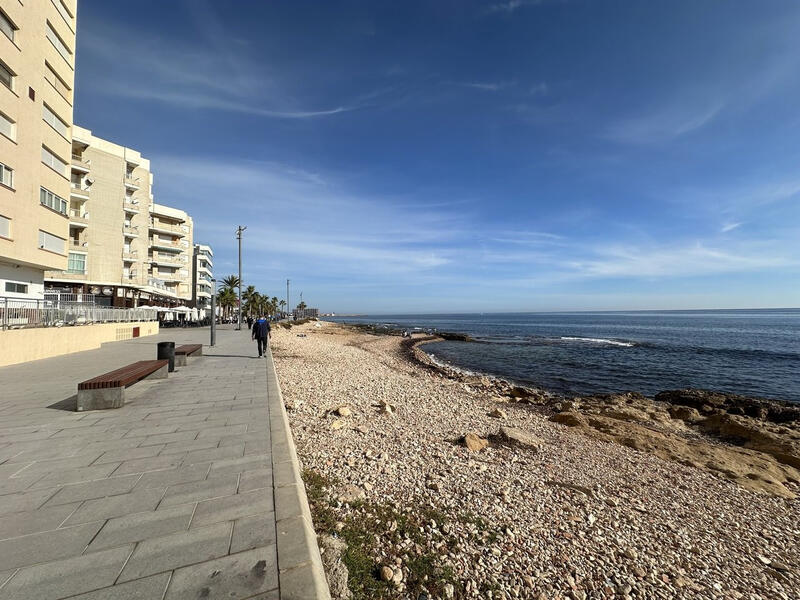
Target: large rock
{"points": [[351, 493], [331, 549], [777, 441], [514, 436], [570, 419], [474, 442], [708, 401]]}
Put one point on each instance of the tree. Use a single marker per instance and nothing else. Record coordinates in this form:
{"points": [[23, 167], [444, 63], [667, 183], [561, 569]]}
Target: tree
{"points": [[231, 281], [247, 296], [226, 299], [301, 306], [282, 304]]}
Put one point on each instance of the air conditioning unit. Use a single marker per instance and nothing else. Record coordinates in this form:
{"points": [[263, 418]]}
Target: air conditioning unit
{"points": [[88, 181]]}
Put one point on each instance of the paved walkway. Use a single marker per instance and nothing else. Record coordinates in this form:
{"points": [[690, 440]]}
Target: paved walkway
{"points": [[190, 490]]}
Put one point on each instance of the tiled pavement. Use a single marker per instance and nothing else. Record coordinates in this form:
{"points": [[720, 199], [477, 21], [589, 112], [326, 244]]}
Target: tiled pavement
{"points": [[170, 497]]}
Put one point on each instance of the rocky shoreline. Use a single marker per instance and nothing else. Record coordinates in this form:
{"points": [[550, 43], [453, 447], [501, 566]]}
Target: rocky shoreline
{"points": [[434, 484]]}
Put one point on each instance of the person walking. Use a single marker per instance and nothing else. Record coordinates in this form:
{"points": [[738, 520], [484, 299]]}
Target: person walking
{"points": [[261, 331]]}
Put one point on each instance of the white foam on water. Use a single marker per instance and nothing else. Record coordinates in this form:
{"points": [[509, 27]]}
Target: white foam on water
{"points": [[599, 341]]}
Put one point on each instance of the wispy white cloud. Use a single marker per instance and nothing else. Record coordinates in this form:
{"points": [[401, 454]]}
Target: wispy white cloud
{"points": [[511, 6], [208, 76], [487, 86], [726, 227], [663, 124]]}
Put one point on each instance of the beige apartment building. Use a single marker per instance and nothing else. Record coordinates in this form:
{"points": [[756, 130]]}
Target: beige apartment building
{"points": [[203, 285], [37, 64], [123, 248]]}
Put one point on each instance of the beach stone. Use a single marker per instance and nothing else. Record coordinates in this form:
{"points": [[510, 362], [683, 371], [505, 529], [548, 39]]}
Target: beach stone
{"points": [[474, 442], [570, 419], [498, 413], [337, 424], [512, 435], [344, 411], [335, 570], [386, 573], [351, 493]]}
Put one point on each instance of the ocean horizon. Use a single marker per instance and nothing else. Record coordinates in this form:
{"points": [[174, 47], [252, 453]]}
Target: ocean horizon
{"points": [[752, 352]]}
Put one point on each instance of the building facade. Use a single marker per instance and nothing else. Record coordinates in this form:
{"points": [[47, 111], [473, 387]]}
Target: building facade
{"points": [[37, 65], [170, 232], [203, 285], [123, 248]]}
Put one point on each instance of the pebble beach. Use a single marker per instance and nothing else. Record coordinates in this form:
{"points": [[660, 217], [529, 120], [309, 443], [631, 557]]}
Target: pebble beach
{"points": [[503, 502]]}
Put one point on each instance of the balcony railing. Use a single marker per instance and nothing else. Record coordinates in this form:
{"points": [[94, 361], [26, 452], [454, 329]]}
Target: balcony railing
{"points": [[132, 181], [79, 161], [17, 314], [78, 216], [131, 205], [78, 243], [130, 230], [174, 229], [77, 190], [130, 256]]}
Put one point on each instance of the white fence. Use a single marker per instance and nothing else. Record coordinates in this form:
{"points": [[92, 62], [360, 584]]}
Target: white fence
{"points": [[18, 314]]}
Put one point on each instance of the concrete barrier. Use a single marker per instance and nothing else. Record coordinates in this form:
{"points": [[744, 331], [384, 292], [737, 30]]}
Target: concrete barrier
{"points": [[23, 345]]}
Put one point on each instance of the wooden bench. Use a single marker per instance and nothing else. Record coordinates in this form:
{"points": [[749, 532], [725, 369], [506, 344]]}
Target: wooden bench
{"points": [[108, 390], [183, 352]]}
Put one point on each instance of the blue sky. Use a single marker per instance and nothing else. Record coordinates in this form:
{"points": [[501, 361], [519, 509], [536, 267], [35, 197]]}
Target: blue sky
{"points": [[468, 156]]}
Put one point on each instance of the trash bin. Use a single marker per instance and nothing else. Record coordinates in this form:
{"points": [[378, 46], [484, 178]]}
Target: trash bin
{"points": [[166, 350]]}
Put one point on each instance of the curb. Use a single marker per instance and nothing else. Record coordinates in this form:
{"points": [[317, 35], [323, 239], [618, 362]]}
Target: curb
{"points": [[300, 572]]}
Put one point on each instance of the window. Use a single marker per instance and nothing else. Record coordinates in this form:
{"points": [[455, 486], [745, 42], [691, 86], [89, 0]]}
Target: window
{"points": [[63, 11], [59, 44], [56, 81], [51, 200], [16, 288], [5, 227], [7, 127], [76, 263], [52, 161], [6, 76], [6, 175], [54, 121], [51, 242], [6, 26]]}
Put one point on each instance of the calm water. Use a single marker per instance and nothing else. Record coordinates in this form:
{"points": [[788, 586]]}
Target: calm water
{"points": [[750, 352]]}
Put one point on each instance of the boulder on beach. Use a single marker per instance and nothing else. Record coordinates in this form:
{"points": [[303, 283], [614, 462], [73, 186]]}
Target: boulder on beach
{"points": [[514, 436], [474, 442]]}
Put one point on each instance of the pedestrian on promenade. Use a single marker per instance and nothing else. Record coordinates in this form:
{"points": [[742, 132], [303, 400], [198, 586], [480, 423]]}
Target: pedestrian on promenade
{"points": [[261, 331]]}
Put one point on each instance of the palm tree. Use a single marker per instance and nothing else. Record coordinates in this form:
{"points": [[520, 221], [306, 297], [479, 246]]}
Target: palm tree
{"points": [[231, 281], [247, 296], [282, 304], [226, 299]]}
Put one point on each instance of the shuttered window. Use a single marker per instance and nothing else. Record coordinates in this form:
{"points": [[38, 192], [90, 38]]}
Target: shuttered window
{"points": [[6, 175], [59, 44], [52, 161], [5, 227], [51, 242], [6, 26], [54, 121]]}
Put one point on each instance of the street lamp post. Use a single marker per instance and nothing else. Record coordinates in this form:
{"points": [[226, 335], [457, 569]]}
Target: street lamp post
{"points": [[213, 312], [239, 231]]}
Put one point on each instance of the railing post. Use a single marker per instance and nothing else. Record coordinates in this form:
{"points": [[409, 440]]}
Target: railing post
{"points": [[5, 313]]}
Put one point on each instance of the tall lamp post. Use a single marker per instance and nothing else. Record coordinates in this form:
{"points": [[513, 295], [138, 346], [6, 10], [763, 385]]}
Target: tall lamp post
{"points": [[239, 231], [213, 312], [288, 307]]}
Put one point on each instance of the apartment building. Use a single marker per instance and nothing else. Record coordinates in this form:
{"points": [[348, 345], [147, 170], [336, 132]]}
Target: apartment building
{"points": [[203, 285], [170, 249], [37, 64], [111, 216]]}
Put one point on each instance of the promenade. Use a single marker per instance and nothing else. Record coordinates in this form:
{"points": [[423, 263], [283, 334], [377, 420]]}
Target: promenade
{"points": [[190, 490]]}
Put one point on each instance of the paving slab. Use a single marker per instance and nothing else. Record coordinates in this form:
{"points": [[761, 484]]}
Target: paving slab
{"points": [[170, 496]]}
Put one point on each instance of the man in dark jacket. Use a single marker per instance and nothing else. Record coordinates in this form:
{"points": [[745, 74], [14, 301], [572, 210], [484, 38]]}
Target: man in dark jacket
{"points": [[261, 330]]}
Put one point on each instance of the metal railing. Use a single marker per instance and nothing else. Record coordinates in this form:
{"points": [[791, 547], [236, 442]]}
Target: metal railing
{"points": [[19, 314], [58, 298]]}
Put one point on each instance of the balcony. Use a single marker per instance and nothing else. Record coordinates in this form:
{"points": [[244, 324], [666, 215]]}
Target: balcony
{"points": [[131, 206], [159, 227], [131, 231], [168, 260], [79, 193], [202, 294], [79, 164], [162, 245], [203, 269], [131, 182], [78, 218], [130, 256]]}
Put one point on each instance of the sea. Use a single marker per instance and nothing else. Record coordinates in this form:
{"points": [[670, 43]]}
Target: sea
{"points": [[747, 352]]}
